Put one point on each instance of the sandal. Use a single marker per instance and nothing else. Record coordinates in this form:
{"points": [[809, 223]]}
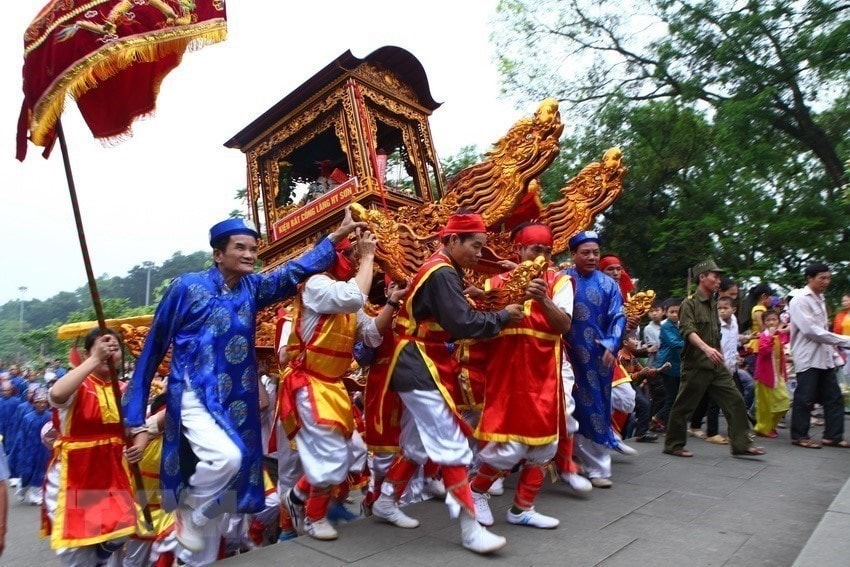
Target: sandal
{"points": [[698, 433], [806, 443], [679, 452], [840, 444], [750, 452]]}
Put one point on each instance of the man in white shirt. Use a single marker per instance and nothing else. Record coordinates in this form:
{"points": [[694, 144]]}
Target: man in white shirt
{"points": [[815, 360]]}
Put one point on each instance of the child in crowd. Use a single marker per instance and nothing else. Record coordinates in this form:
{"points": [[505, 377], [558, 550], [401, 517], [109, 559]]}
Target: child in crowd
{"points": [[671, 342], [652, 341], [639, 374], [730, 345], [756, 303], [652, 331], [772, 400]]}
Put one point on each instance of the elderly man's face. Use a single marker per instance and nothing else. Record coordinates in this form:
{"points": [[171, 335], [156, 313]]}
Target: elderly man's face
{"points": [[586, 257], [239, 257]]}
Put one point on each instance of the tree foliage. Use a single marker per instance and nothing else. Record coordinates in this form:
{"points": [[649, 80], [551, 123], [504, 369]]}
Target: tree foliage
{"points": [[733, 118]]}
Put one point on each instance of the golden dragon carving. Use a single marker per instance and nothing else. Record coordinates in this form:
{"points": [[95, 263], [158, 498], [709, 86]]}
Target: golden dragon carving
{"points": [[584, 196], [513, 290], [494, 187], [638, 304]]}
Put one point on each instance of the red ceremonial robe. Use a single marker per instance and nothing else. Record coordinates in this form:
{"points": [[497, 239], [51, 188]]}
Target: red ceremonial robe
{"points": [[95, 501], [523, 399]]}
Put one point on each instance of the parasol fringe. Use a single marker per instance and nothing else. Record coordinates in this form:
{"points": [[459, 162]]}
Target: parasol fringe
{"points": [[89, 73]]}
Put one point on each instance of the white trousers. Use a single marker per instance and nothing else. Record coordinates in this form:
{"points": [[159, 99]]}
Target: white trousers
{"points": [[595, 457], [219, 459], [289, 468], [142, 552], [379, 464], [504, 456], [569, 381], [326, 455], [623, 397], [269, 515], [212, 533], [429, 430]]}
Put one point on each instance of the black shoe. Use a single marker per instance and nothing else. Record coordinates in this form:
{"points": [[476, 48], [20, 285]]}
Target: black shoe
{"points": [[646, 438]]}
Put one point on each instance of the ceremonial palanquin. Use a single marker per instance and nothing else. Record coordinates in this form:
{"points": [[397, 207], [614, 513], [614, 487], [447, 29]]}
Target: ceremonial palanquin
{"points": [[358, 132]]}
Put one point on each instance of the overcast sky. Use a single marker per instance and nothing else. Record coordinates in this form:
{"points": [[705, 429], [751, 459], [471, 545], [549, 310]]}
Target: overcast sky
{"points": [[160, 191]]}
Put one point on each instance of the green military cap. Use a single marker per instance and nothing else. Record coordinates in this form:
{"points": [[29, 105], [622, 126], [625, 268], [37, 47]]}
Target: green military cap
{"points": [[706, 266]]}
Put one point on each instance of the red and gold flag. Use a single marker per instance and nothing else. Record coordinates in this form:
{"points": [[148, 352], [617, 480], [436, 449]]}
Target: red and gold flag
{"points": [[109, 55]]}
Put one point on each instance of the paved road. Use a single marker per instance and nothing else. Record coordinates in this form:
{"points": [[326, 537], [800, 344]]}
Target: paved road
{"points": [[23, 546], [713, 509]]}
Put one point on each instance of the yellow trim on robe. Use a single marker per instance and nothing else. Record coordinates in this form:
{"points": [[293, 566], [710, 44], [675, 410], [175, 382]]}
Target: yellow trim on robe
{"points": [[56, 540]]}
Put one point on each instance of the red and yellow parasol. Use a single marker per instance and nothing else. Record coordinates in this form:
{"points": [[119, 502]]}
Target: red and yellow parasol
{"points": [[111, 57]]}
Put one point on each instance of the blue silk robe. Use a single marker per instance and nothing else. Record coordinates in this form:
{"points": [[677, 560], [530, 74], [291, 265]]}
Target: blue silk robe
{"points": [[32, 453], [598, 325], [8, 406], [13, 444], [212, 332]]}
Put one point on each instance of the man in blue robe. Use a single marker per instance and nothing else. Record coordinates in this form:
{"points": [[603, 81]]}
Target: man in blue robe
{"points": [[32, 453], [13, 439], [9, 403], [212, 454], [593, 341]]}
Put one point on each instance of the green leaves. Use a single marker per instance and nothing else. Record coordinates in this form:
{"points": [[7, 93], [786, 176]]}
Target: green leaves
{"points": [[733, 119]]}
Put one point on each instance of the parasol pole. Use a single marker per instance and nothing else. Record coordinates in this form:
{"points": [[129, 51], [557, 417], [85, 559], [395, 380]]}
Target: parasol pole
{"points": [[141, 495]]}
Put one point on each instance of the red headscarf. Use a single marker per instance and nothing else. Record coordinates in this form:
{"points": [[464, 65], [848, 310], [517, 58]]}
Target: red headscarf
{"points": [[463, 223], [625, 283], [343, 268], [534, 234]]}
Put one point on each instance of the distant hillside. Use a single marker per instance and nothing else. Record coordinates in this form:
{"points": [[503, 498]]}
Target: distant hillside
{"points": [[38, 313]]}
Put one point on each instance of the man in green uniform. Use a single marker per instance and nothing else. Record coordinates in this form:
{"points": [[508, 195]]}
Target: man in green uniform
{"points": [[703, 369]]}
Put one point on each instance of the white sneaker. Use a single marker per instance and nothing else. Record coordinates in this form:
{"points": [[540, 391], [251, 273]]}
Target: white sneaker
{"points": [[189, 534], [475, 537], [600, 482], [534, 519], [576, 482], [387, 509], [296, 511], [626, 450], [482, 508], [498, 487], [320, 529], [434, 487]]}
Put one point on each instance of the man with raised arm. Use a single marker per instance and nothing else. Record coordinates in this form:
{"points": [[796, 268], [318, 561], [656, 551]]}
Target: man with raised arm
{"points": [[212, 455]]}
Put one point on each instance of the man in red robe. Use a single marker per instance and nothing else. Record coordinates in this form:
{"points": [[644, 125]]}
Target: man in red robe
{"points": [[523, 399], [424, 374]]}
